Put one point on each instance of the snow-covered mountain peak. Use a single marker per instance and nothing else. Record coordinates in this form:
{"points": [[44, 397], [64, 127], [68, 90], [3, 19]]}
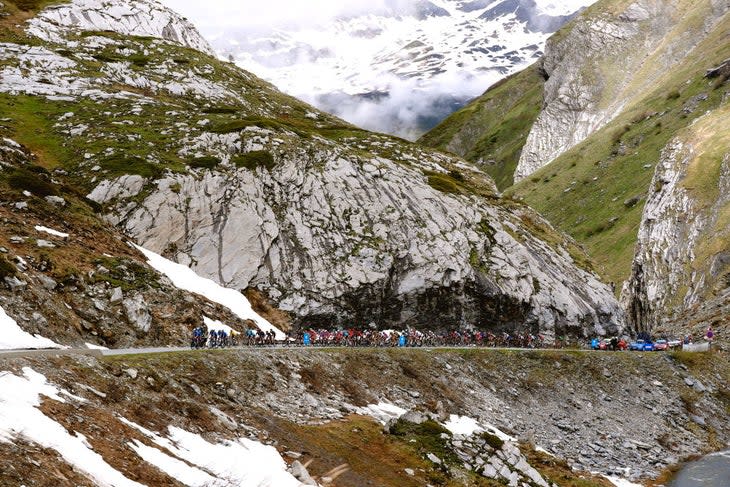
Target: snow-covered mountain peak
{"points": [[135, 17], [397, 66]]}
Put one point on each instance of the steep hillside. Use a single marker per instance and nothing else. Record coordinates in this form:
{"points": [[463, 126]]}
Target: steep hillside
{"points": [[492, 129], [598, 190], [72, 278], [208, 165], [625, 82], [683, 254]]}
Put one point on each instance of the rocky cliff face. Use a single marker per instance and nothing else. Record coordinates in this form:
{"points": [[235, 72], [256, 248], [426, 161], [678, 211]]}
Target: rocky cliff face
{"points": [[138, 18], [605, 59], [203, 162], [626, 82], [682, 254], [68, 276], [363, 240]]}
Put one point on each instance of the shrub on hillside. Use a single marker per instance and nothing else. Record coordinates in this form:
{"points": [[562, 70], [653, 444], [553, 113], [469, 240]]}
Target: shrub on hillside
{"points": [[254, 159], [205, 162], [121, 164], [673, 95], [456, 175], [443, 183], [27, 180], [139, 60], [220, 109], [28, 5], [7, 269], [493, 440]]}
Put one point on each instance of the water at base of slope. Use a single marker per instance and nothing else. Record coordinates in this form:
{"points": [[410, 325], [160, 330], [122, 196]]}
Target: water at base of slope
{"points": [[710, 471]]}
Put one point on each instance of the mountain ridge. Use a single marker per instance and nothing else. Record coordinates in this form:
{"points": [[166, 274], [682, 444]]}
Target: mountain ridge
{"points": [[211, 167], [608, 126], [419, 67]]}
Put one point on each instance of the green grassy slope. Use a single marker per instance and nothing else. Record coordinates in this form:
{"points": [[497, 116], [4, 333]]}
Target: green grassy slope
{"points": [[492, 129], [596, 191]]}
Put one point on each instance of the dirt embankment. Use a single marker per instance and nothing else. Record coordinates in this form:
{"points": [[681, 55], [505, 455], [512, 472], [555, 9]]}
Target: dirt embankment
{"points": [[597, 411]]}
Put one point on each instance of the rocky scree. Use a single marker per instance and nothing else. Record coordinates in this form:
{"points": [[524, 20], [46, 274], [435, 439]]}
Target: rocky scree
{"points": [[573, 405]]}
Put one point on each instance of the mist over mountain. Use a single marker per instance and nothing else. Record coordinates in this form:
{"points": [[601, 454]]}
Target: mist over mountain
{"points": [[395, 66]]}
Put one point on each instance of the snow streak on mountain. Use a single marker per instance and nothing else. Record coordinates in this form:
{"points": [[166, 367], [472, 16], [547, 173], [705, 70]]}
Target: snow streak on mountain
{"points": [[397, 66]]}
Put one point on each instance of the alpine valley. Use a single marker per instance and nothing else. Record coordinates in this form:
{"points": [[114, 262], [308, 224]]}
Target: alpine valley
{"points": [[395, 66], [150, 187]]}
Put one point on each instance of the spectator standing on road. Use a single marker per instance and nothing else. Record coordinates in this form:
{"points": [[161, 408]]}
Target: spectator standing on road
{"points": [[709, 335]]}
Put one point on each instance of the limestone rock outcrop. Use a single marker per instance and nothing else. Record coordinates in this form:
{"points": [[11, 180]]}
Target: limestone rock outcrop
{"points": [[682, 258], [601, 61], [137, 18], [335, 237]]}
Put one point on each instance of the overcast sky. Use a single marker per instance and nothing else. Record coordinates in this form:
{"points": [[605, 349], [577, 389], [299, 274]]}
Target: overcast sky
{"points": [[215, 14]]}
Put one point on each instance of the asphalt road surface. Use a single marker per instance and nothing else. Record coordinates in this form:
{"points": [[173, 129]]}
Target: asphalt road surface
{"points": [[154, 350]]}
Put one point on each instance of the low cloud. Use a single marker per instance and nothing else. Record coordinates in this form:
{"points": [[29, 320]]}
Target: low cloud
{"points": [[273, 13], [265, 41], [408, 108]]}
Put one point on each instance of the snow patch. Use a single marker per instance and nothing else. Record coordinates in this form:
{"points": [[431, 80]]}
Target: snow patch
{"points": [[466, 426], [21, 418], [13, 337], [382, 412], [185, 278], [51, 231], [216, 325], [91, 346], [177, 469], [241, 462], [619, 482], [543, 450], [463, 425]]}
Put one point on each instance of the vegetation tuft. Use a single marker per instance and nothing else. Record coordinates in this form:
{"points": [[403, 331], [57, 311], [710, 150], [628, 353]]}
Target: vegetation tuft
{"points": [[427, 437], [443, 182], [118, 165], [221, 109], [493, 440], [29, 5], [139, 60], [204, 162], [24, 179], [126, 274], [7, 269], [254, 159]]}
